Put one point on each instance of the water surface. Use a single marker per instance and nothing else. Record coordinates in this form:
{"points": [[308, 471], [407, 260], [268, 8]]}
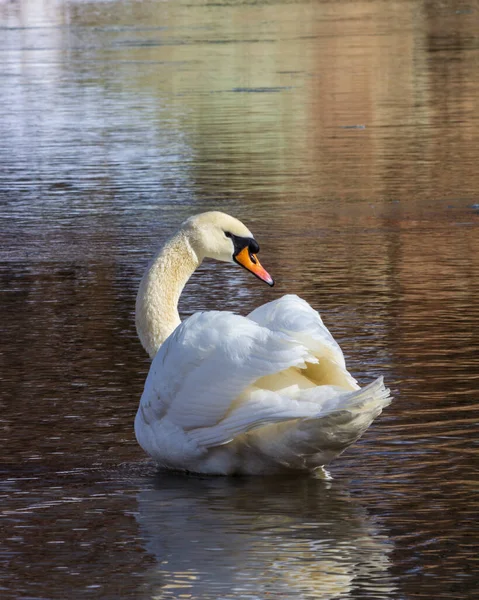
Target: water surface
{"points": [[346, 136]]}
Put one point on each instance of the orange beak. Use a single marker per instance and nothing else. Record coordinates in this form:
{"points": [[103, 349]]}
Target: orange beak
{"points": [[250, 261]]}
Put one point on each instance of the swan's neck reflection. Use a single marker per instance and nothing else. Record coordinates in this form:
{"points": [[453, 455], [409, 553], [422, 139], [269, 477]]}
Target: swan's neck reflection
{"points": [[250, 537]]}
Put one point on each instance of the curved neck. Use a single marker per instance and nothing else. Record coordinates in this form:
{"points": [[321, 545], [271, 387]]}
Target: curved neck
{"points": [[160, 288]]}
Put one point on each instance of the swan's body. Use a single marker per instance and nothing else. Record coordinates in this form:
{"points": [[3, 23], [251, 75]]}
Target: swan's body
{"points": [[229, 394]]}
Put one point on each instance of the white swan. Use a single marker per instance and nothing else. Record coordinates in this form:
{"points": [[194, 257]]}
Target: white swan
{"points": [[228, 394]]}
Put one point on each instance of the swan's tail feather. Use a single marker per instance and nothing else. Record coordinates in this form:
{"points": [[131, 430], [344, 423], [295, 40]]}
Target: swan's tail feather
{"points": [[342, 428], [374, 396], [315, 442], [298, 426]]}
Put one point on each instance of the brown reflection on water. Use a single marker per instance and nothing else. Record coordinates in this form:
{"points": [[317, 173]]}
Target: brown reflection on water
{"points": [[71, 535], [345, 134], [66, 377]]}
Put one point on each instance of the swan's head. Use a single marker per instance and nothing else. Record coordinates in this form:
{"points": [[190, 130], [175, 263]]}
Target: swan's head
{"points": [[220, 236]]}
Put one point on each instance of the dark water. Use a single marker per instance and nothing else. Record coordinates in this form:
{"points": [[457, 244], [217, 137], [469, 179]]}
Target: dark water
{"points": [[346, 135]]}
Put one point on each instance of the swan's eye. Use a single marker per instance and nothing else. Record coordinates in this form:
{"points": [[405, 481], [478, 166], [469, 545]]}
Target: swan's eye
{"points": [[253, 246], [243, 243]]}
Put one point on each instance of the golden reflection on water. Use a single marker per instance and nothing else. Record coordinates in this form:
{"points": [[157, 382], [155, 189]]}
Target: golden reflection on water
{"points": [[345, 134]]}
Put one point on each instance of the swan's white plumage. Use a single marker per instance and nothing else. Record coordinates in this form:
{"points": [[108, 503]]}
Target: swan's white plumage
{"points": [[208, 361], [230, 394], [204, 391]]}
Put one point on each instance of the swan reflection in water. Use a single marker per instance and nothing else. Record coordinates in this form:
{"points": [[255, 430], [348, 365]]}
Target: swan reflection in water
{"points": [[258, 538]]}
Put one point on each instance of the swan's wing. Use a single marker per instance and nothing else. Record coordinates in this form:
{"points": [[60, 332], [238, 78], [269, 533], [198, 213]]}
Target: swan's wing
{"points": [[295, 318], [351, 411], [206, 364]]}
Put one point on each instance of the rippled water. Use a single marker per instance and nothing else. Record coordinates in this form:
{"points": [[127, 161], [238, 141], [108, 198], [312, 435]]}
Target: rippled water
{"points": [[346, 135]]}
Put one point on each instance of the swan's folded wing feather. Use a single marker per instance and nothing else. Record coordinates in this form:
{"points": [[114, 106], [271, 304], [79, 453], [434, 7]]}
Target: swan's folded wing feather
{"points": [[266, 407], [204, 366], [294, 317]]}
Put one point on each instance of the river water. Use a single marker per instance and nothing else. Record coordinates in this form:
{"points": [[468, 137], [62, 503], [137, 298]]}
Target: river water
{"points": [[346, 136]]}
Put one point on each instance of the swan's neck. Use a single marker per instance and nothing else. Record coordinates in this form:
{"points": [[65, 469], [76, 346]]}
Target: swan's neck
{"points": [[157, 300]]}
